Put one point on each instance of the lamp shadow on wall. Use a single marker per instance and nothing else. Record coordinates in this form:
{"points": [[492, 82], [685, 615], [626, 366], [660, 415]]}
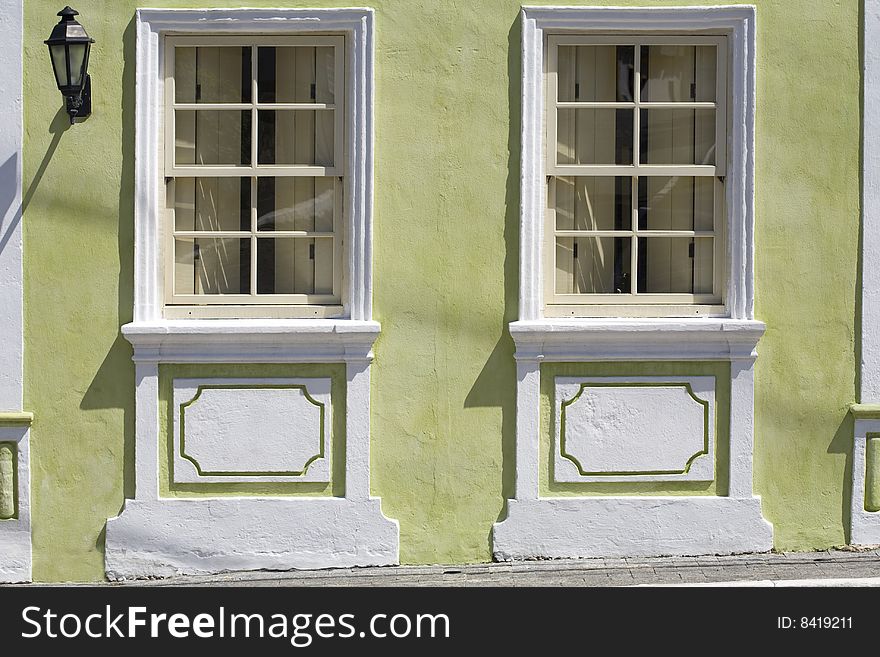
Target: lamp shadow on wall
{"points": [[10, 217], [105, 390], [495, 386], [60, 124]]}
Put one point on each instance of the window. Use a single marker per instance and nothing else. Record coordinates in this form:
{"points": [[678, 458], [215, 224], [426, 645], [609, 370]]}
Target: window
{"points": [[254, 175], [636, 133]]}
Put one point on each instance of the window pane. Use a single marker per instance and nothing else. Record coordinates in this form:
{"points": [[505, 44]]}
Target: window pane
{"points": [[212, 137], [675, 265], [594, 136], [593, 265], [678, 136], [296, 137], [678, 73], [595, 73], [296, 74], [593, 203], [295, 266], [212, 265], [299, 203], [212, 204], [212, 74], [676, 203]]}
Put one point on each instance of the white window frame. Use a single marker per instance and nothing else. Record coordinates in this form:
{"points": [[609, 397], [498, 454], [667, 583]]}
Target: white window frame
{"points": [[252, 303], [590, 304], [356, 289], [732, 22]]}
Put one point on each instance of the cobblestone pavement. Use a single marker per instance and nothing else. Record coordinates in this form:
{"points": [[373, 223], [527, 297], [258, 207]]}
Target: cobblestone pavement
{"points": [[831, 568]]}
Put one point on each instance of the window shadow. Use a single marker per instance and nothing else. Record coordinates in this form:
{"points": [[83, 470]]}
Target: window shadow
{"points": [[495, 386], [112, 387], [842, 443]]}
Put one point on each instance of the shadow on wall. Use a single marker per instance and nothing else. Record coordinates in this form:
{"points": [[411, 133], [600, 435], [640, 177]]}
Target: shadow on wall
{"points": [[842, 443], [9, 217], [105, 390], [60, 124], [495, 386]]}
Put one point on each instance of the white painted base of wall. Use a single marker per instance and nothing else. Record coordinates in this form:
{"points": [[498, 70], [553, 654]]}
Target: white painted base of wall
{"points": [[631, 527], [15, 534], [15, 548], [864, 524], [187, 536]]}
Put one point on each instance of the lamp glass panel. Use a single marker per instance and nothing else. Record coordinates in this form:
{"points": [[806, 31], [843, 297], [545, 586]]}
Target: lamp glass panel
{"points": [[59, 65], [75, 63]]}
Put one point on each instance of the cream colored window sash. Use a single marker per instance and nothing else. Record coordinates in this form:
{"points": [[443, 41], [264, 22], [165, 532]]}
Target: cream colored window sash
{"points": [[220, 259], [587, 97]]}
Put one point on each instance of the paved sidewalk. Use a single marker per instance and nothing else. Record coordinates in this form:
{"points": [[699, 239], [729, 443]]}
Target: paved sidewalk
{"points": [[831, 568]]}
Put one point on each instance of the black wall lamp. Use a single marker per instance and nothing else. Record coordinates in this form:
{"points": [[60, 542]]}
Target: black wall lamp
{"points": [[69, 47]]}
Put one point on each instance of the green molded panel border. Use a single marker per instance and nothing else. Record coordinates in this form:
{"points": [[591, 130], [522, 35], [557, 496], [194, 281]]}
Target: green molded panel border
{"points": [[13, 447], [865, 411], [334, 371], [872, 472], [687, 465], [17, 419], [205, 473], [548, 487]]}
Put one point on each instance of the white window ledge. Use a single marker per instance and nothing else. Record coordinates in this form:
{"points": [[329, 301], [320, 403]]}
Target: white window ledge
{"points": [[252, 340], [603, 339]]}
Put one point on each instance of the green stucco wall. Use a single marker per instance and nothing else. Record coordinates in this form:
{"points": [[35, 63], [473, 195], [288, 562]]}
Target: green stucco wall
{"points": [[446, 250]]}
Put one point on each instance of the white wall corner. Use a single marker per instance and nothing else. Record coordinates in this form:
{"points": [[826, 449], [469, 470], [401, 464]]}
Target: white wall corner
{"points": [[15, 533], [865, 524], [870, 255], [628, 526]]}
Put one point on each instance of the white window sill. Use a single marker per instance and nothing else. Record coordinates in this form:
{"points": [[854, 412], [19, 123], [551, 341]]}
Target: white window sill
{"points": [[615, 339], [252, 340]]}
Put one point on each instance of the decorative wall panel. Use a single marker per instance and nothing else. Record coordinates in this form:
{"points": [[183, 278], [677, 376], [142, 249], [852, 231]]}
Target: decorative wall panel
{"points": [[231, 430], [634, 429]]}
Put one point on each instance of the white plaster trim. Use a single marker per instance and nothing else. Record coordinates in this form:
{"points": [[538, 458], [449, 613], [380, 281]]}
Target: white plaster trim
{"points": [[264, 432], [615, 444], [156, 536], [738, 22], [599, 526], [864, 524], [159, 536], [600, 339], [630, 527], [252, 340], [183, 537], [15, 535], [152, 24], [870, 357]]}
